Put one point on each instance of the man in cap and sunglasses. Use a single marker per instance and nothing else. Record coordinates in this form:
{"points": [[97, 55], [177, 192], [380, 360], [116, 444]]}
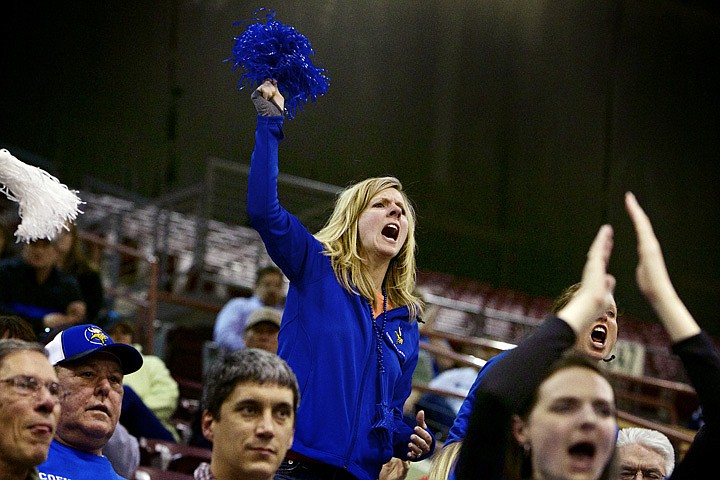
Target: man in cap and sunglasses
{"points": [[90, 368]]}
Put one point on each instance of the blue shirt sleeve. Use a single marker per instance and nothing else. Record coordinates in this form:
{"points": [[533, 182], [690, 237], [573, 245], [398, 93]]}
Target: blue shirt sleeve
{"points": [[459, 427], [230, 322]]}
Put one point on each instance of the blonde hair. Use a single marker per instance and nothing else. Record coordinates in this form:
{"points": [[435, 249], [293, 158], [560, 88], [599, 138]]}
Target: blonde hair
{"points": [[444, 462], [340, 238]]}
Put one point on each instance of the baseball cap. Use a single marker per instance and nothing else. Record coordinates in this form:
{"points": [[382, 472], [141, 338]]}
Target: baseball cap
{"points": [[264, 314], [80, 341]]}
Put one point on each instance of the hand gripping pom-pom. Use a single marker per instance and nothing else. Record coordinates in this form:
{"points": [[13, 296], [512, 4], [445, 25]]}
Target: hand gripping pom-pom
{"points": [[278, 51], [46, 205]]}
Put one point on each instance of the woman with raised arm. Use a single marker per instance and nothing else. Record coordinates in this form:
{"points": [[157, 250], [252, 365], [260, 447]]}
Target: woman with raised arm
{"points": [[596, 343], [696, 350], [538, 415], [349, 328]]}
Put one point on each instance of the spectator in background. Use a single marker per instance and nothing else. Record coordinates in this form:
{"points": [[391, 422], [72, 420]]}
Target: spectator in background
{"points": [[72, 260], [261, 331], [262, 328], [32, 287], [438, 363], [29, 408], [250, 400], [90, 367], [230, 323], [439, 372], [153, 382], [123, 452], [645, 450], [139, 420], [12, 326], [6, 242], [440, 410]]}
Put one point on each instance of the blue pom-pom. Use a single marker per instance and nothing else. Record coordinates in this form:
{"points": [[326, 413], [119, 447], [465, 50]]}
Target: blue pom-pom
{"points": [[278, 51]]}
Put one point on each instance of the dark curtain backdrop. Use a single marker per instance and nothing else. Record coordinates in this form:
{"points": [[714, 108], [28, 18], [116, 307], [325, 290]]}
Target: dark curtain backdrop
{"points": [[516, 125]]}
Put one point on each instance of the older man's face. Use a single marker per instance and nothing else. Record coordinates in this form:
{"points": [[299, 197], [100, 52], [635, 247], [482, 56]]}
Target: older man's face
{"points": [[635, 457], [28, 419], [91, 409]]}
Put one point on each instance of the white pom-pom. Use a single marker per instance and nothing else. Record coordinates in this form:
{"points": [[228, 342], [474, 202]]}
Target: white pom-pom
{"points": [[46, 205]]}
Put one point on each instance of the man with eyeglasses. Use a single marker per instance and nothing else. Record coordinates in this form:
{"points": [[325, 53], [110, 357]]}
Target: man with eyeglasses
{"points": [[90, 369], [29, 408]]}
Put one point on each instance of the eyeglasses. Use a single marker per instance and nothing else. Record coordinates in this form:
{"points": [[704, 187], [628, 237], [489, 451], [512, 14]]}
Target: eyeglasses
{"points": [[26, 385], [631, 473]]}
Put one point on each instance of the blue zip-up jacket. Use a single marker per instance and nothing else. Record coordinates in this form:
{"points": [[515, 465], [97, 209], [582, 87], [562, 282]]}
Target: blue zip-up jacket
{"points": [[327, 338]]}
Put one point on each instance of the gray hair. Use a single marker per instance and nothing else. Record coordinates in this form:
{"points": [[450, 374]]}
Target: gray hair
{"points": [[651, 439], [13, 345], [249, 365]]}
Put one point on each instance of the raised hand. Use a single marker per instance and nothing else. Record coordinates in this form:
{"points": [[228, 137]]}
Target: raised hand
{"points": [[653, 278], [651, 273], [595, 295], [268, 100]]}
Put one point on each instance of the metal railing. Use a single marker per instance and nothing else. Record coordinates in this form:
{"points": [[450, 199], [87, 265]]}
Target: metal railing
{"points": [[145, 300], [186, 222]]}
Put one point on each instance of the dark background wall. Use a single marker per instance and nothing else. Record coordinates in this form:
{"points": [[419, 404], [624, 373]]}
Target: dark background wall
{"points": [[516, 125]]}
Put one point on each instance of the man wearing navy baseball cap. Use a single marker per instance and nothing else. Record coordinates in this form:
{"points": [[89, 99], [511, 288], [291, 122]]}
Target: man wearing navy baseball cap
{"points": [[90, 368]]}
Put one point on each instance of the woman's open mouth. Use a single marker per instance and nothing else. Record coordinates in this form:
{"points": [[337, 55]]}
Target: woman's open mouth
{"points": [[391, 231], [599, 335], [582, 455]]}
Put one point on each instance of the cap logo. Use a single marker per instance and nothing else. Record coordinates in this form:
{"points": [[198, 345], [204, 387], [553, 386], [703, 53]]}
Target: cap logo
{"points": [[96, 335]]}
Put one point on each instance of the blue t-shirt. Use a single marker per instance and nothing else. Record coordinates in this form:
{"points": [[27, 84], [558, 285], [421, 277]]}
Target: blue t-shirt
{"points": [[66, 463]]}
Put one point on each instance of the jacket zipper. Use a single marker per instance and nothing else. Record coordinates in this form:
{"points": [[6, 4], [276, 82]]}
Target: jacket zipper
{"points": [[359, 401]]}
